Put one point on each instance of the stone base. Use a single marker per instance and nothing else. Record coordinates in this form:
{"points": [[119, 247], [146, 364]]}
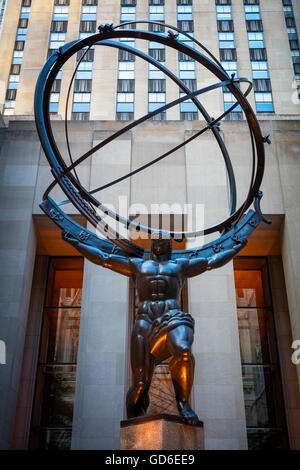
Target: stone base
{"points": [[160, 432]]}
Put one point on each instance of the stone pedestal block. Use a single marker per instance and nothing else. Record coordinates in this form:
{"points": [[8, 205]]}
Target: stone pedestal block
{"points": [[160, 432]]}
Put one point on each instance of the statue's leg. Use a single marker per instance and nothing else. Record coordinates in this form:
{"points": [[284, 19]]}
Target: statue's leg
{"points": [[179, 343], [142, 364]]}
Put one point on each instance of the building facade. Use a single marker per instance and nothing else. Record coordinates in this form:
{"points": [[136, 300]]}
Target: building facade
{"points": [[65, 323]]}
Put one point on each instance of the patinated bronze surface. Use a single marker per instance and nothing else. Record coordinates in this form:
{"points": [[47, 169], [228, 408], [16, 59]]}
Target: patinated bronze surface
{"points": [[161, 329]]}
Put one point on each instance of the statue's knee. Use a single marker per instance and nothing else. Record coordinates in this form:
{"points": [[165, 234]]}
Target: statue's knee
{"points": [[183, 353]]}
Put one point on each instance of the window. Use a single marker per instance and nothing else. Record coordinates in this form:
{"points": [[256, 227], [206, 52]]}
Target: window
{"points": [[252, 12], [126, 70], [125, 85], [83, 85], [57, 40], [258, 54], [53, 104], [262, 84], [184, 12], [254, 25], [224, 12], [260, 70], [256, 40], [81, 103], [59, 26], [155, 73], [56, 373], [156, 13], [87, 27], [158, 54], [128, 13], [157, 85], [226, 41], [228, 55], [84, 71], [225, 26], [89, 13], [185, 25], [89, 2], [125, 102], [80, 116], [264, 102], [60, 13], [260, 364]]}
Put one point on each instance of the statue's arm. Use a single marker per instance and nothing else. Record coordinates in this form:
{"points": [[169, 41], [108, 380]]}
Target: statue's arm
{"points": [[199, 265], [220, 259], [116, 263]]}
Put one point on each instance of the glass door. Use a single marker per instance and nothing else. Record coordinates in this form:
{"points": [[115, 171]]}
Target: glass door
{"points": [[55, 384], [260, 365]]}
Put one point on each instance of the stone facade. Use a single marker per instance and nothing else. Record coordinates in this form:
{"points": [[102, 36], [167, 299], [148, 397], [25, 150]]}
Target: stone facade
{"points": [[192, 175]]}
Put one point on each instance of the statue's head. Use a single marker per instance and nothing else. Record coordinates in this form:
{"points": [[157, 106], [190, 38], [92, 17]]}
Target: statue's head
{"points": [[161, 248]]}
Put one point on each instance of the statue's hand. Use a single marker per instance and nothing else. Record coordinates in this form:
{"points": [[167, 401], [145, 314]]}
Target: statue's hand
{"points": [[68, 238], [240, 245]]}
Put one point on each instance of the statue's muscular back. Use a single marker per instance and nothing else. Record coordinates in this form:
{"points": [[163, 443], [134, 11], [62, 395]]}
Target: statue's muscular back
{"points": [[159, 280]]}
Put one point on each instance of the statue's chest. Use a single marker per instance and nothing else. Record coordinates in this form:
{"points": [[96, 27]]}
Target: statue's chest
{"points": [[153, 268]]}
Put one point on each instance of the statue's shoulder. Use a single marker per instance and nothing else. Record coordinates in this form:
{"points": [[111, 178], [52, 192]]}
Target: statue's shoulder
{"points": [[181, 260], [137, 261]]}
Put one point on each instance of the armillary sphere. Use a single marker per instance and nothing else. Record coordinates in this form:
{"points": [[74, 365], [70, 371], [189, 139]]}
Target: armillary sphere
{"points": [[237, 226]]}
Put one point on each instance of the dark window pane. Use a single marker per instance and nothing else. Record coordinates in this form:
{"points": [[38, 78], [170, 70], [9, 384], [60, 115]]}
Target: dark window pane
{"points": [[190, 83], [186, 25], [225, 26], [184, 57], [158, 54], [88, 57], [83, 85], [258, 54], [158, 117], [61, 2], [11, 95], [156, 28], [290, 22], [156, 2], [227, 55], [19, 45], [254, 25], [188, 116], [184, 2], [128, 2], [124, 116], [125, 85], [87, 26], [234, 116], [125, 56], [56, 86], [294, 44], [59, 26], [89, 2], [23, 23], [157, 85], [15, 69], [80, 116], [262, 84]]}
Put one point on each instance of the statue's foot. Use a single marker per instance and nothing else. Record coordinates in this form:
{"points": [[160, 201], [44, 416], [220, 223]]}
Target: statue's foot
{"points": [[187, 413], [139, 408]]}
